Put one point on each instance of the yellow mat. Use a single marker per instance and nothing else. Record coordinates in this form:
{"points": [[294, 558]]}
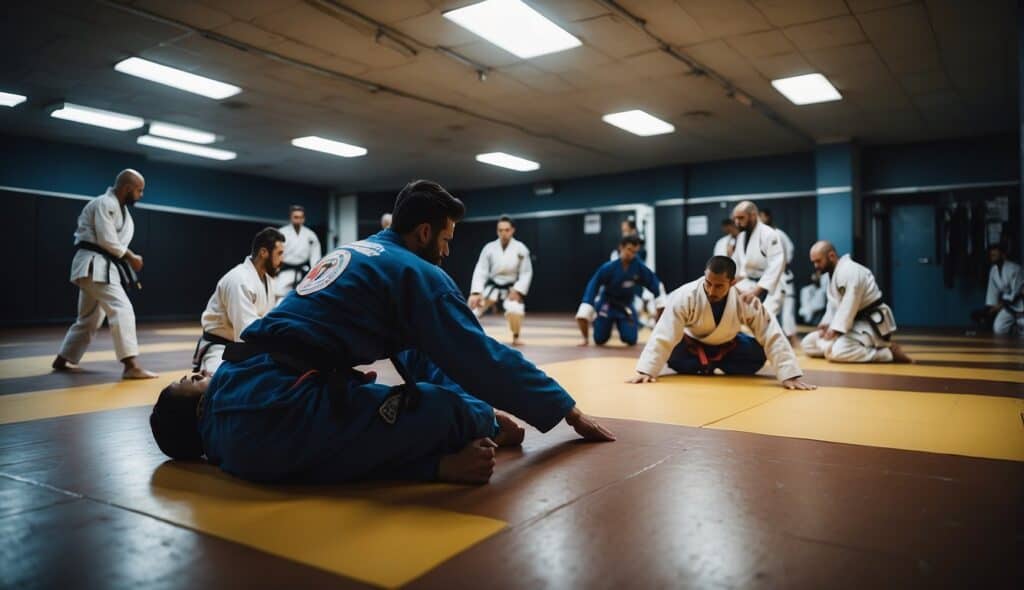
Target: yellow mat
{"points": [[33, 366], [377, 534], [812, 364], [193, 332], [966, 359], [969, 351], [972, 425]]}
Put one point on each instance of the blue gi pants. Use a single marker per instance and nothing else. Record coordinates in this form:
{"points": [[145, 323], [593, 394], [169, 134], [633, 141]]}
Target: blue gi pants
{"points": [[746, 359], [624, 322], [264, 423]]}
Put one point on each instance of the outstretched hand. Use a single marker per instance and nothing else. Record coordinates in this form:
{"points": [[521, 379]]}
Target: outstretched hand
{"points": [[642, 378], [587, 427], [796, 383]]}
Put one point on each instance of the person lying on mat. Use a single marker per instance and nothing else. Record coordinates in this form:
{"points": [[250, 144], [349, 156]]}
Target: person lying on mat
{"points": [[700, 332], [286, 404]]}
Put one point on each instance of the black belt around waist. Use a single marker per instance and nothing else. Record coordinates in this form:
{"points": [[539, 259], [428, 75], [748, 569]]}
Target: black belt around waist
{"points": [[207, 340], [300, 271], [863, 313], [125, 271]]}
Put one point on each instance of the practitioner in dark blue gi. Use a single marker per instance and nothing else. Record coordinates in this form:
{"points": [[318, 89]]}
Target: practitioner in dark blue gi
{"points": [[610, 293], [286, 404]]}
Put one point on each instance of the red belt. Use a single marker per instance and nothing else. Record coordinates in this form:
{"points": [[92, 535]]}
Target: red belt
{"points": [[696, 348]]}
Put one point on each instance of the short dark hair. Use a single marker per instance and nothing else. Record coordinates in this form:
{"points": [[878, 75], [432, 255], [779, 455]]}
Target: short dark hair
{"points": [[997, 246], [425, 201], [267, 238], [728, 221], [631, 240], [630, 222], [295, 208], [508, 219], [175, 423], [722, 265]]}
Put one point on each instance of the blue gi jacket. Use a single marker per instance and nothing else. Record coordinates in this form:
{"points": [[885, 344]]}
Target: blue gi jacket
{"points": [[618, 286]]}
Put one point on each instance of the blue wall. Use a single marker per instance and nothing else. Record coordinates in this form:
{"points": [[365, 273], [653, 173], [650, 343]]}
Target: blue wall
{"points": [[769, 174], [954, 161], [62, 167]]}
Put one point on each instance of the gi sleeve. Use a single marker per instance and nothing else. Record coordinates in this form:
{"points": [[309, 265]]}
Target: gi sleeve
{"points": [[667, 334], [1015, 287], [769, 335], [241, 308], [525, 272], [738, 249], [776, 256], [481, 272], [586, 309], [992, 295], [848, 306], [653, 284], [448, 332], [105, 227]]}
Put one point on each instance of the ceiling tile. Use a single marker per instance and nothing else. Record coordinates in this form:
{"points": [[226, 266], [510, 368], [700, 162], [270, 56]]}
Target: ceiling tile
{"points": [[904, 38], [783, 13], [765, 44], [725, 18], [833, 32], [667, 20]]}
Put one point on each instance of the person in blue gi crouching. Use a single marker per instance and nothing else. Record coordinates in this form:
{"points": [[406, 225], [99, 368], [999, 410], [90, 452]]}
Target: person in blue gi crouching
{"points": [[286, 405]]}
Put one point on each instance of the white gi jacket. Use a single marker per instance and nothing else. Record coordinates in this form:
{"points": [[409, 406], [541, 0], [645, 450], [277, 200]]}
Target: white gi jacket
{"points": [[1005, 285], [239, 299], [763, 263], [851, 289], [723, 244], [689, 312], [108, 225], [302, 248], [505, 266]]}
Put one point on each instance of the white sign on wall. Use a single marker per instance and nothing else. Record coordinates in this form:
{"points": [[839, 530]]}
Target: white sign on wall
{"points": [[592, 223], [697, 225]]}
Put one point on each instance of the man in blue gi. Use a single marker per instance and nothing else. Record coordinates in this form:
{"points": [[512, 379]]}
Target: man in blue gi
{"points": [[609, 296], [286, 404]]}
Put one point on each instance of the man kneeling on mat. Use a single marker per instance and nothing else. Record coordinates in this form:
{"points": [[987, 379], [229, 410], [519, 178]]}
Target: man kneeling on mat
{"points": [[286, 404], [700, 332]]}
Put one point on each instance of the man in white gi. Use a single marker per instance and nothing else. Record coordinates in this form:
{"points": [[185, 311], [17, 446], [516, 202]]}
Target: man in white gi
{"points": [[1005, 296], [727, 243], [759, 256], [242, 296], [814, 298], [786, 292], [103, 268], [858, 326], [503, 272], [301, 252], [700, 332]]}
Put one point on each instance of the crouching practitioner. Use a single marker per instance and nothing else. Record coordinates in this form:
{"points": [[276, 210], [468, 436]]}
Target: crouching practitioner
{"points": [[286, 404], [700, 332], [243, 295], [608, 298], [858, 326], [503, 273]]}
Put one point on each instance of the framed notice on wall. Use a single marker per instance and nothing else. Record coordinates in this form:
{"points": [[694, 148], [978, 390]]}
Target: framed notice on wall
{"points": [[592, 223], [697, 225]]}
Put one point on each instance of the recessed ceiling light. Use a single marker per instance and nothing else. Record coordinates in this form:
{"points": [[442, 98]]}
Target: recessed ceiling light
{"points": [[329, 146], [513, 26], [9, 100], [638, 122], [180, 132], [176, 78], [807, 89], [507, 161], [97, 117], [186, 148]]}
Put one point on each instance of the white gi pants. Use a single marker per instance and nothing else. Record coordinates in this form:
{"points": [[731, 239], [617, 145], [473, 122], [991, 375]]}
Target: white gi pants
{"points": [[97, 301], [854, 347], [1005, 321]]}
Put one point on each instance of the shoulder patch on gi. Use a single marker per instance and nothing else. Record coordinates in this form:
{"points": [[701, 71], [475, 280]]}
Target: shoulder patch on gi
{"points": [[324, 272], [389, 409], [365, 248]]}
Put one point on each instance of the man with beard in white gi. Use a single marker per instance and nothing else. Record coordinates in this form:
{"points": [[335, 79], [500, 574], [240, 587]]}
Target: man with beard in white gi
{"points": [[700, 332], [759, 257], [243, 295], [787, 287], [858, 326], [503, 273], [727, 243], [301, 252], [1005, 296], [103, 268]]}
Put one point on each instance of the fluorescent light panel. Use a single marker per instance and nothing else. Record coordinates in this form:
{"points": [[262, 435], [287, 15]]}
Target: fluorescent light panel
{"points": [[807, 89], [182, 80], [639, 123], [329, 146], [97, 117], [513, 26], [186, 148], [8, 99], [179, 132], [507, 161]]}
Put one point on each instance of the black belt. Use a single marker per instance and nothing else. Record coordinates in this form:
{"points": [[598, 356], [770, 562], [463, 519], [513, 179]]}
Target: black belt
{"points": [[867, 309], [124, 270], [207, 340], [300, 271]]}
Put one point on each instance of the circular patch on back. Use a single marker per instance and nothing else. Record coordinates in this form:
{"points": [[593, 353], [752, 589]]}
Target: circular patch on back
{"points": [[324, 272]]}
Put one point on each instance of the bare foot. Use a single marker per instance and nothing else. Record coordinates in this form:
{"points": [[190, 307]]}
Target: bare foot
{"points": [[898, 356], [510, 433], [584, 342], [138, 373], [516, 341], [474, 464]]}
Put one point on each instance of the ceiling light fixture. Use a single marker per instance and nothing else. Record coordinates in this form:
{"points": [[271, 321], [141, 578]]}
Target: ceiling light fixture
{"points": [[329, 146], [807, 89], [186, 148], [8, 99], [507, 161], [638, 122], [97, 117], [180, 79], [180, 132], [513, 26]]}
